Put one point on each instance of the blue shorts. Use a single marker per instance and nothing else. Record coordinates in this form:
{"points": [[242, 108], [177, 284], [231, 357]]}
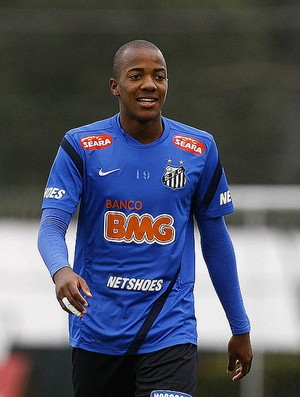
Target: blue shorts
{"points": [[170, 372]]}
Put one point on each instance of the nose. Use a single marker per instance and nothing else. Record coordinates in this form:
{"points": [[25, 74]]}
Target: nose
{"points": [[148, 84]]}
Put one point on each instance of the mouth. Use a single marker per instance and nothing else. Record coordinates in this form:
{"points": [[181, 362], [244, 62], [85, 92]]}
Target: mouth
{"points": [[146, 100], [147, 103]]}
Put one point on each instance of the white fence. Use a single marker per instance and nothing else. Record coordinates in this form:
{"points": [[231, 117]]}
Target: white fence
{"points": [[268, 262]]}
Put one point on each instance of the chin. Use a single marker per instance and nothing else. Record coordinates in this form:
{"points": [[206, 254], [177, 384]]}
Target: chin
{"points": [[149, 116]]}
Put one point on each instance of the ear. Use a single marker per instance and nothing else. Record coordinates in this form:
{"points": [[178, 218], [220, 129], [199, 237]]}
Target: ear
{"points": [[113, 85]]}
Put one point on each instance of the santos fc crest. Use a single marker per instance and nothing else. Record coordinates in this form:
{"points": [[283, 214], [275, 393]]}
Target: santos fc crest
{"points": [[174, 177]]}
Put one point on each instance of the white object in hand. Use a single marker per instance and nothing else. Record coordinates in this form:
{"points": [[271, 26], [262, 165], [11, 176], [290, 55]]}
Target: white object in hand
{"points": [[70, 307]]}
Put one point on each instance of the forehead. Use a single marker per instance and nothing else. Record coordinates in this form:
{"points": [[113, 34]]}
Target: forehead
{"points": [[141, 58]]}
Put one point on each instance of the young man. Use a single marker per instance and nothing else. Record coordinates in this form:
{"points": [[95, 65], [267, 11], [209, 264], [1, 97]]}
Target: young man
{"points": [[140, 179]]}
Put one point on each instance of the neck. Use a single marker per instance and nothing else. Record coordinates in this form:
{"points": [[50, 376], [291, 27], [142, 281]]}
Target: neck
{"points": [[143, 131]]}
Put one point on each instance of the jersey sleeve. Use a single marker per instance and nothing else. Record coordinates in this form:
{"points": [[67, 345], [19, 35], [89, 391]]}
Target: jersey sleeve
{"points": [[64, 185], [218, 253], [212, 198], [51, 239]]}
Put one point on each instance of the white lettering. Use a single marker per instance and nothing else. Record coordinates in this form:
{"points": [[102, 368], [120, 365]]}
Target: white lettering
{"points": [[146, 285], [90, 144], [125, 279], [131, 283], [54, 193], [159, 285], [136, 284], [167, 393], [225, 198], [188, 145], [60, 194], [117, 282], [111, 281], [152, 285]]}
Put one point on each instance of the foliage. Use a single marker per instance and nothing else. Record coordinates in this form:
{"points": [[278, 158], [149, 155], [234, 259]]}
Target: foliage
{"points": [[233, 70]]}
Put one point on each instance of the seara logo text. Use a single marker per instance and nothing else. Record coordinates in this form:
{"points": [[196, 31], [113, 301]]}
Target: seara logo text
{"points": [[96, 142], [188, 144]]}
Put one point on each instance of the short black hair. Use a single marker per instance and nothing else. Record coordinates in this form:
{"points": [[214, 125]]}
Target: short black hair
{"points": [[137, 44]]}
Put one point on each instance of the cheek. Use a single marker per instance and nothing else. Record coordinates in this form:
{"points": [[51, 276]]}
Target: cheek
{"points": [[165, 94], [164, 91], [125, 96]]}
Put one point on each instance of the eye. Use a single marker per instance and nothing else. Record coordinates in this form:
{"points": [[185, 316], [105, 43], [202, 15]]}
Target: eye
{"points": [[160, 77], [135, 76]]}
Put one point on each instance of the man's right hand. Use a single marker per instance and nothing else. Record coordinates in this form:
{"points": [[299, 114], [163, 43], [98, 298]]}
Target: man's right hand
{"points": [[73, 287]]}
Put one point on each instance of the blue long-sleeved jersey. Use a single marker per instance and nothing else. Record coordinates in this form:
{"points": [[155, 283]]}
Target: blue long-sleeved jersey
{"points": [[135, 228]]}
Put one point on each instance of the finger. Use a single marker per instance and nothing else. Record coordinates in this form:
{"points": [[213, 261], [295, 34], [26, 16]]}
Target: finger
{"points": [[241, 371], [231, 365], [74, 298], [73, 289], [85, 288], [239, 374], [81, 285], [62, 305], [70, 307], [77, 298], [77, 301]]}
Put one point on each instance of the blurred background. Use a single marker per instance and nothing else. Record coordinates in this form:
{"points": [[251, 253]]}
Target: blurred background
{"points": [[233, 71]]}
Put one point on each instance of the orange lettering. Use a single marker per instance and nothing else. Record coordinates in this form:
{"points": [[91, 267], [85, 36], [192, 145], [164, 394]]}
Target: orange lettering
{"points": [[124, 204], [138, 228], [163, 228], [114, 225], [108, 204]]}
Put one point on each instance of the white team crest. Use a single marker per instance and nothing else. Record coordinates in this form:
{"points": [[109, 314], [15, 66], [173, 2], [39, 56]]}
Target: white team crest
{"points": [[174, 177]]}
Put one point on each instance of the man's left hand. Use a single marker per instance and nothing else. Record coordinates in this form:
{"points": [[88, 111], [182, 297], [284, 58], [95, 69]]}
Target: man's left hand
{"points": [[240, 356]]}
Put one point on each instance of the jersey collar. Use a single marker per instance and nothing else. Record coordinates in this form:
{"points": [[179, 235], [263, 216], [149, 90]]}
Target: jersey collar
{"points": [[133, 142]]}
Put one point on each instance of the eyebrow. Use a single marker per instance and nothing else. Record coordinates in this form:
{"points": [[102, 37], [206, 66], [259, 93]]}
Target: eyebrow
{"points": [[142, 69]]}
